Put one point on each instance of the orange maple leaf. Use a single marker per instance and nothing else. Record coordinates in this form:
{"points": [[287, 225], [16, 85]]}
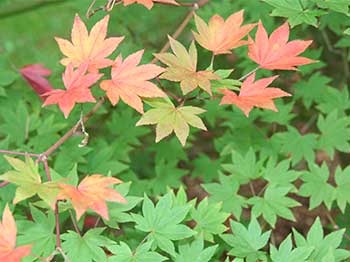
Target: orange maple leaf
{"points": [[149, 3], [220, 36], [92, 48], [275, 52], [77, 85], [8, 231], [130, 82], [92, 192], [253, 94]]}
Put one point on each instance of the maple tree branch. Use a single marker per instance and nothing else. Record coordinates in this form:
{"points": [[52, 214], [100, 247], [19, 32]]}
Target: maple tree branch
{"points": [[18, 153], [67, 135], [26, 6]]}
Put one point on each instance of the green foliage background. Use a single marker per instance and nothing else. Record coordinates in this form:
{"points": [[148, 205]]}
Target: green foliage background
{"points": [[268, 173]]}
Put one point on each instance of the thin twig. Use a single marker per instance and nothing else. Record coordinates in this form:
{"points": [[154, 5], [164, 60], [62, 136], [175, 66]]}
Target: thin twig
{"points": [[331, 220], [252, 189], [67, 135], [18, 153], [75, 223], [248, 74]]}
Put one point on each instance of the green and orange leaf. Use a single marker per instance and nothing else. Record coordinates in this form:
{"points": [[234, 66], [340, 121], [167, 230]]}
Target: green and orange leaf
{"points": [[130, 81], [8, 231], [28, 181], [169, 118], [221, 36], [253, 94], [92, 49], [92, 192], [182, 67]]}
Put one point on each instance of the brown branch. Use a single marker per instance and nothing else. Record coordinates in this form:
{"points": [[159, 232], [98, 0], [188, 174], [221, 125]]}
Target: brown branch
{"points": [[18, 153], [67, 135]]}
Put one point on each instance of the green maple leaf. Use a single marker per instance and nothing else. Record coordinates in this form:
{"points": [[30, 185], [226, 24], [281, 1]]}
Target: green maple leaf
{"points": [[206, 167], [286, 253], [274, 203], [247, 242], [282, 117], [244, 167], [27, 178], [311, 90], [341, 6], [39, 232], [295, 11], [169, 118], [87, 248], [167, 175], [162, 222], [335, 133], [195, 252], [321, 245], [118, 212], [334, 99], [297, 145], [279, 174], [123, 253], [316, 186], [209, 219], [226, 192], [342, 192]]}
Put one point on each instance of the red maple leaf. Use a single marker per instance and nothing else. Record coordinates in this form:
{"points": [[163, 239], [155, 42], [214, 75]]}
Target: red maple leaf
{"points": [[77, 85], [91, 49], [92, 192], [253, 94], [275, 52], [35, 76], [149, 3], [130, 82], [8, 231]]}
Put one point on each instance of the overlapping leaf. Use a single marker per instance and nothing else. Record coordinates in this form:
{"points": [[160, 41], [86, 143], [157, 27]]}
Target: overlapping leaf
{"points": [[77, 84], [92, 192], [130, 82], [220, 36], [182, 67], [275, 52], [8, 230], [27, 178], [253, 94], [35, 76], [169, 118], [91, 49]]}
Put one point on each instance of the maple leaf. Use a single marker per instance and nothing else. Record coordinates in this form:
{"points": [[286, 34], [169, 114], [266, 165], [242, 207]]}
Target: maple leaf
{"points": [[182, 67], [169, 118], [91, 49], [131, 82], [92, 192], [253, 94], [275, 52], [8, 231], [77, 85], [27, 178], [220, 36], [35, 76], [149, 3]]}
